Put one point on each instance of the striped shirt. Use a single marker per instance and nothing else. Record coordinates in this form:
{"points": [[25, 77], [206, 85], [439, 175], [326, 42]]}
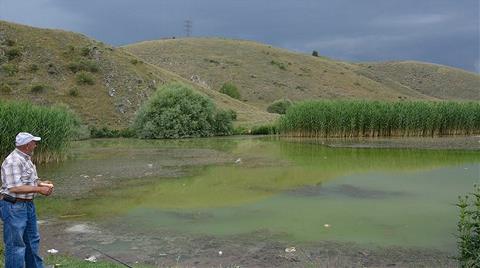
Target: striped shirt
{"points": [[17, 170]]}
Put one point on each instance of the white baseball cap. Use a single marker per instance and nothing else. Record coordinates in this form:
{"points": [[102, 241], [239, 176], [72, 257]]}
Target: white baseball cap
{"points": [[24, 138]]}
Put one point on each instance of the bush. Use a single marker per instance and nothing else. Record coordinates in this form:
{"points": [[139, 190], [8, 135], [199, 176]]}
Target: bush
{"points": [[176, 111], [279, 106], [468, 228], [315, 53], [38, 88], [5, 88], [135, 61], [10, 42], [33, 68], [83, 65], [85, 51], [55, 124], [264, 130], [9, 69], [233, 114], [73, 92], [105, 132], [280, 65], [230, 90], [13, 53], [222, 125], [84, 78]]}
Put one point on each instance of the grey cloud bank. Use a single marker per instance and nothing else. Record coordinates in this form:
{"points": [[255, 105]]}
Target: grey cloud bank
{"points": [[437, 31]]}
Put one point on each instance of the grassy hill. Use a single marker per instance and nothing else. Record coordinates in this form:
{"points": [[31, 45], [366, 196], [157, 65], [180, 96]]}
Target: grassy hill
{"points": [[106, 85], [264, 73], [103, 84]]}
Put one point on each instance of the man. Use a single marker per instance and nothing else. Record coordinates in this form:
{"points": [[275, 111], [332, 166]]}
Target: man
{"points": [[20, 183]]}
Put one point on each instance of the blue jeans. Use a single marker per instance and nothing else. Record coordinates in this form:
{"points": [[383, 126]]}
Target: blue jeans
{"points": [[20, 235]]}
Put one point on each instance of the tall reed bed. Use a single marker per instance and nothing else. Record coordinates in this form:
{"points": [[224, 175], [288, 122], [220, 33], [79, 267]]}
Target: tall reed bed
{"points": [[380, 118], [53, 124]]}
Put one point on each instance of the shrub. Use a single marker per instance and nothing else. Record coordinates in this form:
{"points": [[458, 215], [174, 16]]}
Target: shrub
{"points": [[5, 88], [54, 124], [222, 124], [38, 88], [13, 53], [230, 90], [135, 61], [33, 68], [105, 132], [10, 42], [279, 106], [83, 65], [73, 92], [176, 111], [9, 69], [468, 227], [84, 78], [85, 51], [233, 114], [264, 130], [280, 65], [315, 53]]}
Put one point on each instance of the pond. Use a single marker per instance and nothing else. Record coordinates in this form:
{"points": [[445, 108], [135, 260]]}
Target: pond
{"points": [[175, 193]]}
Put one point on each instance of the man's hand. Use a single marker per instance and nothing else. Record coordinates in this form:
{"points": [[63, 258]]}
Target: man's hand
{"points": [[45, 190], [46, 183]]}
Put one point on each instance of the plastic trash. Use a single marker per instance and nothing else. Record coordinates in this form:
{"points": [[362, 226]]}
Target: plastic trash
{"points": [[238, 161], [52, 251], [290, 249], [91, 259], [220, 253]]}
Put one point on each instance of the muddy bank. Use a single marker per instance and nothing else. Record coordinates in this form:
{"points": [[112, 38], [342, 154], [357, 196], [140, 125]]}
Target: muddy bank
{"points": [[258, 249], [441, 143]]}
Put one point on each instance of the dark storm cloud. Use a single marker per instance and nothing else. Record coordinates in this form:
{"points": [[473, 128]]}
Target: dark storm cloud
{"points": [[437, 31]]}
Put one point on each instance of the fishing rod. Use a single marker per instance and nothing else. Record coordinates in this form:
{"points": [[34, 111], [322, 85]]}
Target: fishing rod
{"points": [[117, 260]]}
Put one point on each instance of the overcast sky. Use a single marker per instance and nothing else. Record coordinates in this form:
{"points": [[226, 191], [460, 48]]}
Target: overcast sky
{"points": [[437, 31]]}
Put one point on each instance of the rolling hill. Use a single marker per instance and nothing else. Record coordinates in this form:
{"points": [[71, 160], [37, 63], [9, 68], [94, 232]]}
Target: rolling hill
{"points": [[103, 84], [264, 73], [106, 85]]}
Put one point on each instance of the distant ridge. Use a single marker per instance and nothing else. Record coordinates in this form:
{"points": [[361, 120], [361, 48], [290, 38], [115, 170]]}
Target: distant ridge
{"points": [[264, 73]]}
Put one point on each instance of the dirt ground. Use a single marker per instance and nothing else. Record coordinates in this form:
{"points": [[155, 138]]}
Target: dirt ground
{"points": [[259, 249]]}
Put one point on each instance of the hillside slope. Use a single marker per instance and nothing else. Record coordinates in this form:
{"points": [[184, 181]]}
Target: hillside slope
{"points": [[264, 73], [430, 79], [103, 84]]}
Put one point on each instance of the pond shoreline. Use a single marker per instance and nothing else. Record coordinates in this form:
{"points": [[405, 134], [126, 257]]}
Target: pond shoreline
{"points": [[431, 143], [258, 249]]}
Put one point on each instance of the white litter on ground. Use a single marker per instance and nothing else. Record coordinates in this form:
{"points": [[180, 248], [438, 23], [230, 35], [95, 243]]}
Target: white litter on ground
{"points": [[52, 251], [92, 258]]}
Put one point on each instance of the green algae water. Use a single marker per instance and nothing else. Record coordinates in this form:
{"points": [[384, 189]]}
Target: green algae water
{"points": [[301, 191]]}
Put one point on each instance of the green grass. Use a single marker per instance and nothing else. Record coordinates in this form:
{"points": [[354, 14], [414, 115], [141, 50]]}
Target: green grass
{"points": [[55, 125], [375, 118]]}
